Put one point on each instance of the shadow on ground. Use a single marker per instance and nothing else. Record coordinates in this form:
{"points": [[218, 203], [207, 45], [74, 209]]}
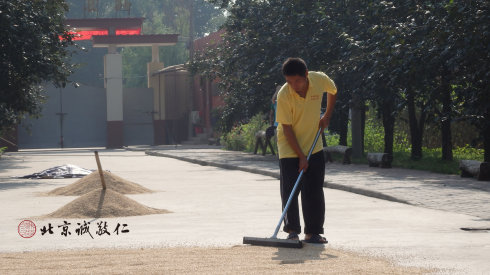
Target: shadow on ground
{"points": [[300, 256], [9, 183]]}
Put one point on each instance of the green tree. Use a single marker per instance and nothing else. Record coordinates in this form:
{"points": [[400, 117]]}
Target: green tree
{"points": [[445, 49], [164, 17], [429, 58], [470, 63], [161, 17], [33, 50], [259, 36], [371, 52], [388, 77]]}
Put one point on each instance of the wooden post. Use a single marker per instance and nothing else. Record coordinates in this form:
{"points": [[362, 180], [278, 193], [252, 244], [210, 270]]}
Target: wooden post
{"points": [[99, 167]]}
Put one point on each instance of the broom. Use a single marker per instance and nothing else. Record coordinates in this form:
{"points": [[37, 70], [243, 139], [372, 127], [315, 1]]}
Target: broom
{"points": [[274, 241]]}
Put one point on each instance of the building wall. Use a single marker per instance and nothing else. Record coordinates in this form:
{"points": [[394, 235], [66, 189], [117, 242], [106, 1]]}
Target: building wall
{"points": [[138, 122], [85, 122], [172, 104]]}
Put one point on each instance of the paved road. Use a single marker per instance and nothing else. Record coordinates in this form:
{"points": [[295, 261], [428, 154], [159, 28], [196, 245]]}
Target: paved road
{"points": [[431, 190], [212, 206]]}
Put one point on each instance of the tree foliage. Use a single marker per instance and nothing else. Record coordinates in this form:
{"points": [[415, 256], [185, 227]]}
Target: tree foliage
{"points": [[33, 50], [161, 17], [427, 57], [164, 17], [257, 40]]}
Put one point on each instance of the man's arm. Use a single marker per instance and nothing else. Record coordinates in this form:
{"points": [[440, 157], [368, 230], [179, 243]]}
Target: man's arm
{"points": [[325, 120], [293, 142]]}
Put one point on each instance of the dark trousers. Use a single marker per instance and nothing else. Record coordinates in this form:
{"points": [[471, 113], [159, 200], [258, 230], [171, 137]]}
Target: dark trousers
{"points": [[311, 188]]}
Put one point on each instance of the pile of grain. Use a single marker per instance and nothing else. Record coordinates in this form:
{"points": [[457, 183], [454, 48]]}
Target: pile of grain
{"points": [[92, 182], [96, 202], [101, 203]]}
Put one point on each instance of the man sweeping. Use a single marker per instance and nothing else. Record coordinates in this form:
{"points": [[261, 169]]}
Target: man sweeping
{"points": [[298, 114]]}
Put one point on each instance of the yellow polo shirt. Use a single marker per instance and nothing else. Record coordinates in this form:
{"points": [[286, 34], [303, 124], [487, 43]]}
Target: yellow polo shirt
{"points": [[302, 113]]}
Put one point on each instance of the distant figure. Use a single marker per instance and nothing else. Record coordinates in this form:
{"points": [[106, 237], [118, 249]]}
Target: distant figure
{"points": [[272, 113]]}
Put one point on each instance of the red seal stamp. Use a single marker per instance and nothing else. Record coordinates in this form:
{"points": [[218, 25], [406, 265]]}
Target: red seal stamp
{"points": [[27, 229]]}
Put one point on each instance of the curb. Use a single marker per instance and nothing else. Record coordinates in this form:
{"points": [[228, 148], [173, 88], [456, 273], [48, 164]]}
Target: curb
{"points": [[364, 192], [132, 149], [359, 191], [216, 164]]}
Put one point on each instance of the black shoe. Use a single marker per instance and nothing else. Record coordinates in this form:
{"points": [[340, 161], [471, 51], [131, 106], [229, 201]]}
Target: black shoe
{"points": [[316, 238]]}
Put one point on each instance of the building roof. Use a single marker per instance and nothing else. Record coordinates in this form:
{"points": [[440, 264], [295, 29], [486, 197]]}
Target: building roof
{"points": [[105, 23], [210, 40], [173, 68], [101, 41]]}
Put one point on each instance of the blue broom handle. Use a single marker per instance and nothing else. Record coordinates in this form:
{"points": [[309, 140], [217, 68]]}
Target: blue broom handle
{"points": [[295, 186]]}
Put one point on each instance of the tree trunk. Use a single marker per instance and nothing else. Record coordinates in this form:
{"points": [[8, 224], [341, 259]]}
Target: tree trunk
{"points": [[342, 111], [344, 125], [356, 127], [416, 132], [190, 7], [446, 135], [363, 123], [447, 145], [389, 126], [486, 143]]}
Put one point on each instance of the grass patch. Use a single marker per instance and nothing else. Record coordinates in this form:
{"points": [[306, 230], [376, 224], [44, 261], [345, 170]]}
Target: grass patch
{"points": [[431, 160], [431, 157], [2, 150], [242, 138]]}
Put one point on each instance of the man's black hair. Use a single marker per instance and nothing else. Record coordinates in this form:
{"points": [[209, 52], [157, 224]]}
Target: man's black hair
{"points": [[294, 66]]}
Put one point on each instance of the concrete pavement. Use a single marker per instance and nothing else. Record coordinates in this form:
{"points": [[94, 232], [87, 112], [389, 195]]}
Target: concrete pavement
{"points": [[431, 190], [216, 207]]}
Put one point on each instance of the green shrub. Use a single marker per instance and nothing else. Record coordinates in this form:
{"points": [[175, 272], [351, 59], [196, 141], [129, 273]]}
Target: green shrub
{"points": [[432, 157], [2, 149], [234, 140], [468, 152], [373, 136], [242, 137], [332, 138]]}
